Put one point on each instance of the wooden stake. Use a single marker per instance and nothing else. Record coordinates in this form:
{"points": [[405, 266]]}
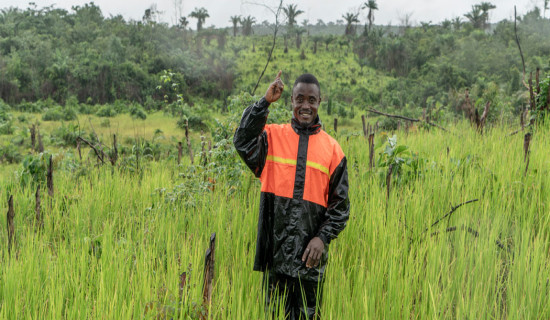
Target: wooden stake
{"points": [[114, 155], [526, 144], [38, 216], [209, 262], [371, 151], [204, 158], [78, 148], [189, 149], [11, 227], [335, 124], [484, 116], [180, 152], [33, 136], [40, 144], [49, 178], [364, 126], [531, 93]]}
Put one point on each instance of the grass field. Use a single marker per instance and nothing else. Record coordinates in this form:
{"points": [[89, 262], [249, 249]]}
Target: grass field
{"points": [[115, 241]]}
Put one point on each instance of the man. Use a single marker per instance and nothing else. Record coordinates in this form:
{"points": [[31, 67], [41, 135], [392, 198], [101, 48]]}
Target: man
{"points": [[304, 196]]}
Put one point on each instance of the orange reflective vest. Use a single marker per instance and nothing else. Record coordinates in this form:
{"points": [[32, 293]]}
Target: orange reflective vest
{"points": [[295, 170]]}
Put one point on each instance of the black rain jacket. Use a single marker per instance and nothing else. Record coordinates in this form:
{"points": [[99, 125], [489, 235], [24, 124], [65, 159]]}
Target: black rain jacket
{"points": [[287, 224]]}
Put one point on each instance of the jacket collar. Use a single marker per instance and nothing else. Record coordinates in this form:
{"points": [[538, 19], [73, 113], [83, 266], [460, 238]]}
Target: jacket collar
{"points": [[313, 128]]}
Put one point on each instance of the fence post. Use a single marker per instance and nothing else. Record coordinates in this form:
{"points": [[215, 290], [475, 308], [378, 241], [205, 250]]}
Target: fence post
{"points": [[526, 144], [189, 149], [335, 124], [114, 155], [11, 227], [180, 152], [371, 151], [33, 136], [49, 178], [209, 272], [364, 126], [38, 215], [40, 144]]}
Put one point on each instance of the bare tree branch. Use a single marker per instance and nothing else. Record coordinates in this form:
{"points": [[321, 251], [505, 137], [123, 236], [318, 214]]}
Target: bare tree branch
{"points": [[406, 118], [392, 115], [519, 46], [100, 154], [276, 12]]}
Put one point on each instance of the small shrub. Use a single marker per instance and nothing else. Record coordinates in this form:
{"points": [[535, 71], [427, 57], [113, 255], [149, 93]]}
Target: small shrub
{"points": [[105, 123], [6, 124], [10, 154], [106, 111], [33, 169], [85, 108], [65, 135], [59, 113], [136, 111]]}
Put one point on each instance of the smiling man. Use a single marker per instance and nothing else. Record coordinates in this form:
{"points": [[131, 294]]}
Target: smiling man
{"points": [[304, 196]]}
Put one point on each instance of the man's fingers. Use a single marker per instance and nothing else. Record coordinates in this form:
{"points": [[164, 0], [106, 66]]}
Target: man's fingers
{"points": [[306, 254], [311, 257]]}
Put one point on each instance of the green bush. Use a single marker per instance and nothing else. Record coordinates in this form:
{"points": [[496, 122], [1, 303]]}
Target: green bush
{"points": [[6, 124], [65, 135], [106, 111], [136, 111], [105, 123], [33, 169], [59, 113], [4, 106], [10, 154]]}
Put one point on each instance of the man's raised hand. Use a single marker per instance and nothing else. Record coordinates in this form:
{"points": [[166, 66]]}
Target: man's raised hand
{"points": [[275, 89]]}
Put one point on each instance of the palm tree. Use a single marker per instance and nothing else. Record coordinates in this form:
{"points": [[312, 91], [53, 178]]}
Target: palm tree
{"points": [[200, 14], [247, 25], [183, 23], [350, 18], [298, 33], [476, 17], [235, 20], [485, 7], [291, 13], [457, 23], [371, 5]]}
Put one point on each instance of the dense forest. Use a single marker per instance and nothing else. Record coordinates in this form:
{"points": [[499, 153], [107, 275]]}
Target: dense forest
{"points": [[51, 56]]}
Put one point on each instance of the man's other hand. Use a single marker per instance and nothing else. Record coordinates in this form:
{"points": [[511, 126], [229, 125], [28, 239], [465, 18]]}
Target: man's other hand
{"points": [[313, 252], [275, 89]]}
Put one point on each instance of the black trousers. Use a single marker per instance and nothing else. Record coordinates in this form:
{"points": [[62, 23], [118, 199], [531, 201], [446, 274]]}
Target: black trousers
{"points": [[302, 299]]}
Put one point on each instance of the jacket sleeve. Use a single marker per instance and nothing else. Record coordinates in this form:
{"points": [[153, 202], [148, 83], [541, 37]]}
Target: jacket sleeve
{"points": [[250, 139], [338, 204]]}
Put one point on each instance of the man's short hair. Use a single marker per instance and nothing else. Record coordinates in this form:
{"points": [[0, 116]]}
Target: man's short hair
{"points": [[307, 78]]}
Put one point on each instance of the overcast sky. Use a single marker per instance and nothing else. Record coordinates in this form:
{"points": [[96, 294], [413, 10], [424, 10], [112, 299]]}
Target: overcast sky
{"points": [[389, 12]]}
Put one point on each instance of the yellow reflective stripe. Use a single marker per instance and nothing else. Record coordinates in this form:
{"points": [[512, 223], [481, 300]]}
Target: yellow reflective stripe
{"points": [[312, 164], [281, 160], [318, 166]]}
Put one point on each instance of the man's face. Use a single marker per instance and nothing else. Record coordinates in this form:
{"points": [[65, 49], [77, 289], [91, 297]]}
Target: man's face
{"points": [[305, 102]]}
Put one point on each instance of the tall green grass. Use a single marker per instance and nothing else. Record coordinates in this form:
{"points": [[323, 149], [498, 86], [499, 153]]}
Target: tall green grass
{"points": [[112, 246]]}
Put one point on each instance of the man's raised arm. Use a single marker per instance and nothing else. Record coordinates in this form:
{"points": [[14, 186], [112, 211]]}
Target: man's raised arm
{"points": [[250, 139]]}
